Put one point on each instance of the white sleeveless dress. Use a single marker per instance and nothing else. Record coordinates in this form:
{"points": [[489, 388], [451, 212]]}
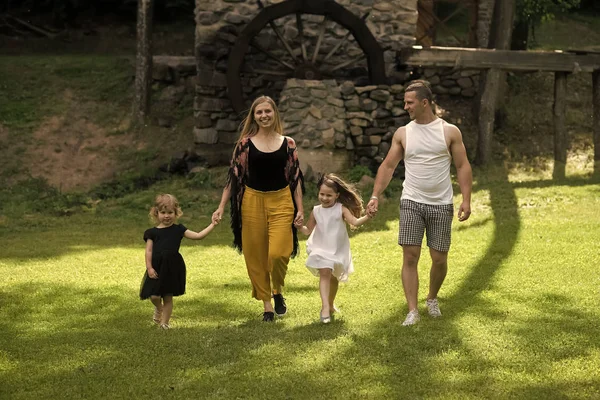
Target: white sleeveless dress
{"points": [[328, 246]]}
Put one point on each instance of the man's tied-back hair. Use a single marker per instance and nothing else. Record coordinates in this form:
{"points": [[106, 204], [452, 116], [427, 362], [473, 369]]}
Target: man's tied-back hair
{"points": [[422, 88]]}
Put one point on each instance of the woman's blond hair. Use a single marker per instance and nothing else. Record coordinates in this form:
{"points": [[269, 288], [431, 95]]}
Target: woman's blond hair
{"points": [[164, 201], [349, 196], [249, 127]]}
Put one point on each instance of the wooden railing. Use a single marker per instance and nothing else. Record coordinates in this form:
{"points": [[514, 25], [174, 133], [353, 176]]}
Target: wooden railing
{"points": [[562, 63]]}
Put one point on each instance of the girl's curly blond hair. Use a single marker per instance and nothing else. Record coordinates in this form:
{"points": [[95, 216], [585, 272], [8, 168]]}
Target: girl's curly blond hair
{"points": [[164, 201]]}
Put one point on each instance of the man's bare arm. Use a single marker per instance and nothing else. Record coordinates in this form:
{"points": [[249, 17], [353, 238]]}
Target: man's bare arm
{"points": [[464, 173]]}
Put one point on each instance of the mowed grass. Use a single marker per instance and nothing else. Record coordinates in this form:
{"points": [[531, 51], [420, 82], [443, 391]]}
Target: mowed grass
{"points": [[520, 307]]}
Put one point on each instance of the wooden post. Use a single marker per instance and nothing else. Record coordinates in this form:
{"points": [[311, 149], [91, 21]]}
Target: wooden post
{"points": [[491, 83], [143, 59], [425, 23], [560, 134], [487, 113], [596, 119]]}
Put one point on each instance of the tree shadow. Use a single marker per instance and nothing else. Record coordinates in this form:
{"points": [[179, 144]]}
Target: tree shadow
{"points": [[60, 341]]}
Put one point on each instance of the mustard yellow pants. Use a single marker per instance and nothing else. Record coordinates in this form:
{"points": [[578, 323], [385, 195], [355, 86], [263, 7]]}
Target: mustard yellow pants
{"points": [[267, 240]]}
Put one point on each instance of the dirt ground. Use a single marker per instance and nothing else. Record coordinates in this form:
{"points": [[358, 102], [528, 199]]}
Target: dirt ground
{"points": [[73, 153]]}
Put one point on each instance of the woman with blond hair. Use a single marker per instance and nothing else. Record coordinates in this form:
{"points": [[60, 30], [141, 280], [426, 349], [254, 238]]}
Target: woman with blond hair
{"points": [[265, 187]]}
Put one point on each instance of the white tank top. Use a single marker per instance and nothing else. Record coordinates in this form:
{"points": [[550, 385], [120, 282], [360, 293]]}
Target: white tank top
{"points": [[427, 162]]}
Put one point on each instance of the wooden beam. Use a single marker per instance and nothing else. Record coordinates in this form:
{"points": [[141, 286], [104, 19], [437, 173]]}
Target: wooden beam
{"points": [[510, 60], [560, 133], [596, 119]]}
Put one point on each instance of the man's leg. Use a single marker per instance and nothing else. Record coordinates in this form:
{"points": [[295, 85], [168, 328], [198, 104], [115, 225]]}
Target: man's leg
{"points": [[438, 228], [439, 268], [410, 274]]}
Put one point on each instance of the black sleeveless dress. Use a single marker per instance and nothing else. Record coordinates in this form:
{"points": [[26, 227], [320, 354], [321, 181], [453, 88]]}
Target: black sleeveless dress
{"points": [[167, 262]]}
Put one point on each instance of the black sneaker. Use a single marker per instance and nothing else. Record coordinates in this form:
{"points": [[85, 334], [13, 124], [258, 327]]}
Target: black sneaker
{"points": [[268, 316], [280, 307]]}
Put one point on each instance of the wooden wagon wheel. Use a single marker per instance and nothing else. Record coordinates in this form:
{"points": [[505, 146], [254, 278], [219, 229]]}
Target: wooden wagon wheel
{"points": [[301, 64]]}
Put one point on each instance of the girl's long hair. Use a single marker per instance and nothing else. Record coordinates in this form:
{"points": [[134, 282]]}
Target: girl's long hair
{"points": [[349, 196], [164, 201], [249, 127]]}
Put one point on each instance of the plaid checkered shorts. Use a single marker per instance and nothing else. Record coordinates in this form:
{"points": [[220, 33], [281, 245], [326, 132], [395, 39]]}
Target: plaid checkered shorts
{"points": [[418, 218]]}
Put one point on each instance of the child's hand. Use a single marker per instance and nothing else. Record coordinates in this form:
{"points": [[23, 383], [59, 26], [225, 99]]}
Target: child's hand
{"points": [[298, 224], [152, 273]]}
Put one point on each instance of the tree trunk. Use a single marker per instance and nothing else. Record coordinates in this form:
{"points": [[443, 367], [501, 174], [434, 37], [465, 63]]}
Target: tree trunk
{"points": [[596, 119], [143, 68], [491, 82]]}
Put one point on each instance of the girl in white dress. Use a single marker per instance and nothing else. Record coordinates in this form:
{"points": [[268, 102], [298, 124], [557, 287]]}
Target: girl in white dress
{"points": [[328, 246]]}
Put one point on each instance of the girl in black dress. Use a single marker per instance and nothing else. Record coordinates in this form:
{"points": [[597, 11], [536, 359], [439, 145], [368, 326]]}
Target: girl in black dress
{"points": [[165, 268]]}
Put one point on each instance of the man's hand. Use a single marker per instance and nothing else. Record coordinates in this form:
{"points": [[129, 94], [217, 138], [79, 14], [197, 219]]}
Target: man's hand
{"points": [[372, 207], [464, 211]]}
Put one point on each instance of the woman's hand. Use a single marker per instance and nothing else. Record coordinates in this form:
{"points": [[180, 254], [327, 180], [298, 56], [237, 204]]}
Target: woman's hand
{"points": [[299, 220], [152, 274], [217, 215]]}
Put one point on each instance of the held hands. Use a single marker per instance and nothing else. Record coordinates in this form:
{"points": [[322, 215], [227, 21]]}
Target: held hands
{"points": [[464, 211], [299, 220], [152, 274], [217, 215], [372, 206]]}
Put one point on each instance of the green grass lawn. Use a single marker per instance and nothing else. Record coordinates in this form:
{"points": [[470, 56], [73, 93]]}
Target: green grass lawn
{"points": [[520, 307]]}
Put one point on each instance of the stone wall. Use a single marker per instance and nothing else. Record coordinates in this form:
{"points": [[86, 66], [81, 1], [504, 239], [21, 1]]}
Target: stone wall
{"points": [[218, 22], [328, 120], [333, 125]]}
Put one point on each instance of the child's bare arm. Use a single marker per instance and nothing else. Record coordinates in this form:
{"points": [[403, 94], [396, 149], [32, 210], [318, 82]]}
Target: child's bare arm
{"points": [[199, 235], [352, 220], [310, 225], [148, 253]]}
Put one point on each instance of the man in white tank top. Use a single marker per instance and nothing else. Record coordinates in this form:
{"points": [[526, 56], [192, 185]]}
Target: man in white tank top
{"points": [[428, 144]]}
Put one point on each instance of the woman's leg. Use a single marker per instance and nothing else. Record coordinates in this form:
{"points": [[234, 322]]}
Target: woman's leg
{"points": [[281, 242], [167, 309], [255, 246], [324, 290]]}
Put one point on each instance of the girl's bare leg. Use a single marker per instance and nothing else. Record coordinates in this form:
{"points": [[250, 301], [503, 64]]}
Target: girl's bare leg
{"points": [[333, 288], [324, 289], [167, 309], [158, 308]]}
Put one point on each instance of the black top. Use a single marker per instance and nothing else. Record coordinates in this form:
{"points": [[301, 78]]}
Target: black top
{"points": [[266, 171], [165, 240]]}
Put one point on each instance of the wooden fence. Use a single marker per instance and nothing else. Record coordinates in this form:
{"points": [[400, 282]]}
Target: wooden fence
{"points": [[561, 63]]}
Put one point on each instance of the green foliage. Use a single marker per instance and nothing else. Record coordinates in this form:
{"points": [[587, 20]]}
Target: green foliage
{"points": [[536, 11], [127, 183], [357, 172], [44, 86], [35, 195]]}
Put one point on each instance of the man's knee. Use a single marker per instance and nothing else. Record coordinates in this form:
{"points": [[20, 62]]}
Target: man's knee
{"points": [[439, 259], [411, 255]]}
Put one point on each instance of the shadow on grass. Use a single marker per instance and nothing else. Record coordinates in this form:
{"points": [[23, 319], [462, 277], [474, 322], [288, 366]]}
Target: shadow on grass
{"points": [[60, 341], [446, 365]]}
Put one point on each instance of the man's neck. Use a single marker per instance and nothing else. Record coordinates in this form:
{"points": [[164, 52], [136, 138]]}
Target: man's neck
{"points": [[426, 118]]}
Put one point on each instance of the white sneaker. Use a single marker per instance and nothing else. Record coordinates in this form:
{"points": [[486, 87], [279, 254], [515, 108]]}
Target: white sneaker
{"points": [[434, 308], [412, 318]]}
